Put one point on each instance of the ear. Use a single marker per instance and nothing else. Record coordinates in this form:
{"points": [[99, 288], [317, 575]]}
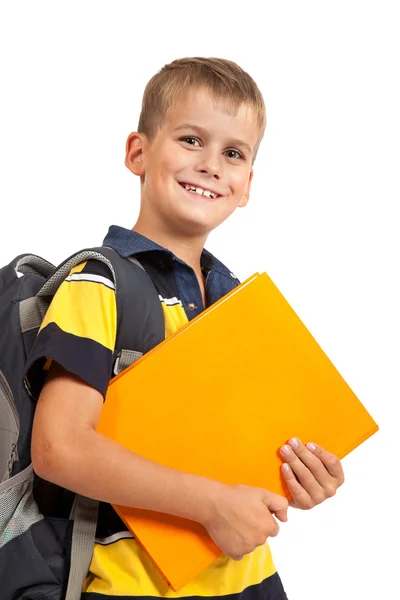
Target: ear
{"points": [[246, 195], [135, 146]]}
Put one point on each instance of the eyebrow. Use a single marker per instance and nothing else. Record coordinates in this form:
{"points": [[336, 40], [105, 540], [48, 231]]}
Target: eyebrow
{"points": [[204, 132]]}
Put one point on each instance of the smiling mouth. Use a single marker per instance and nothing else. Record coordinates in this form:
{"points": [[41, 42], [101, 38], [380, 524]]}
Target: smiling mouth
{"points": [[192, 189]]}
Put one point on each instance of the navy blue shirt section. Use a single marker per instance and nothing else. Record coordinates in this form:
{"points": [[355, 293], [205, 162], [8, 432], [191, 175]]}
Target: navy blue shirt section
{"points": [[219, 279]]}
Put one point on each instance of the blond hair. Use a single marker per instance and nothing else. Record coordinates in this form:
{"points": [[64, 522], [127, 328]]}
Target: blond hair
{"points": [[228, 82]]}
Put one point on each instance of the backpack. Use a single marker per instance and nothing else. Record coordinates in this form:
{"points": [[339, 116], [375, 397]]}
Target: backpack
{"points": [[45, 555]]}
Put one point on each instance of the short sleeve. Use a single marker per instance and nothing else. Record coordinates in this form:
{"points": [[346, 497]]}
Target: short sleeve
{"points": [[79, 329]]}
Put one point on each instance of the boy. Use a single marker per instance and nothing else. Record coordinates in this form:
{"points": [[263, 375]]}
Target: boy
{"points": [[201, 124]]}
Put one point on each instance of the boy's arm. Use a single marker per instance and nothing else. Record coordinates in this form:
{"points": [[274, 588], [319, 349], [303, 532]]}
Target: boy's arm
{"points": [[67, 450]]}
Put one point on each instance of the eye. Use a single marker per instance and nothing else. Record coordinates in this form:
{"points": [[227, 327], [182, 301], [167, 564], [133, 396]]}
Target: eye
{"points": [[234, 154], [190, 140]]}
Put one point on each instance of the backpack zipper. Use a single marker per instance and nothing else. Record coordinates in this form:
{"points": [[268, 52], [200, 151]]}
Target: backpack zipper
{"points": [[6, 392]]}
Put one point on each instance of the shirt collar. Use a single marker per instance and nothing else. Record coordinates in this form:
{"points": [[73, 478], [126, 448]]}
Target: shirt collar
{"points": [[128, 242]]}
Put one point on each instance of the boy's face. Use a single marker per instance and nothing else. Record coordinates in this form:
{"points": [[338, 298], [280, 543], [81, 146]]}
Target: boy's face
{"points": [[199, 146]]}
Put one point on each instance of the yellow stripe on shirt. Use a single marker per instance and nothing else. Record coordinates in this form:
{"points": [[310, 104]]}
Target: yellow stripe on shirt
{"points": [[84, 308], [174, 315], [123, 569]]}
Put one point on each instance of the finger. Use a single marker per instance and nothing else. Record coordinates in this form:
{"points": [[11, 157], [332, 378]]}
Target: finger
{"points": [[312, 462], [278, 505], [281, 514], [303, 474], [274, 529], [331, 462], [300, 497], [236, 557]]}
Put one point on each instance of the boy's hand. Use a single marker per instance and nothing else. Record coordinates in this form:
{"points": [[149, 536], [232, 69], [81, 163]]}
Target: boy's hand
{"points": [[241, 518], [312, 474]]}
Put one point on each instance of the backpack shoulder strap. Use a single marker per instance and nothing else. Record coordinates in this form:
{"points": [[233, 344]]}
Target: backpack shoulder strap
{"points": [[140, 318]]}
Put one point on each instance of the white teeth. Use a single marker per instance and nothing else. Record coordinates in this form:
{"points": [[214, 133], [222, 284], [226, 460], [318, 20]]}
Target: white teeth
{"points": [[200, 191]]}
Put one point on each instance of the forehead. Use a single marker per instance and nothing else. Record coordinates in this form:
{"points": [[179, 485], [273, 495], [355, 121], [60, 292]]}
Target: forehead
{"points": [[217, 116]]}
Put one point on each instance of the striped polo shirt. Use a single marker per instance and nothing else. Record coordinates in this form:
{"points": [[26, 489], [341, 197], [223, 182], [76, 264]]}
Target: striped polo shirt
{"points": [[79, 332]]}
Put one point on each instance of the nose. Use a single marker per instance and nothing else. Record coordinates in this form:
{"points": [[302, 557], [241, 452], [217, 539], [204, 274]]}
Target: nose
{"points": [[210, 163]]}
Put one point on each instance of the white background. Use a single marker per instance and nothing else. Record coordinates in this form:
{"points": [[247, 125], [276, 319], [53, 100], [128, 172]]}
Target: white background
{"points": [[322, 221]]}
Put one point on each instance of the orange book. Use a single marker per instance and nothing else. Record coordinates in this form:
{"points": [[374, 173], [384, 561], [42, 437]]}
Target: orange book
{"points": [[219, 398]]}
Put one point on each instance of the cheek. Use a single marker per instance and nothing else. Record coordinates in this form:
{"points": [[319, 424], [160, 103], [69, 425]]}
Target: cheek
{"points": [[170, 166], [166, 160], [240, 182], [160, 174], [173, 155]]}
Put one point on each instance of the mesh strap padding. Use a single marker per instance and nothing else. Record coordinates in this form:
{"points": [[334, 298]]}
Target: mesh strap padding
{"points": [[18, 510], [34, 264], [52, 284]]}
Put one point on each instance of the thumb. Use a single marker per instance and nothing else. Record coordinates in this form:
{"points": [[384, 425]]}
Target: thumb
{"points": [[277, 505]]}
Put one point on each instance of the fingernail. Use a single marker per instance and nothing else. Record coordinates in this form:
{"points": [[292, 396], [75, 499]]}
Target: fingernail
{"points": [[286, 467], [285, 450], [311, 446], [294, 442]]}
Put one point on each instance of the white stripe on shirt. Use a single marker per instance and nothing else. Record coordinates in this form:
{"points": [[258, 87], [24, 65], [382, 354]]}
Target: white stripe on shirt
{"points": [[121, 535], [90, 277]]}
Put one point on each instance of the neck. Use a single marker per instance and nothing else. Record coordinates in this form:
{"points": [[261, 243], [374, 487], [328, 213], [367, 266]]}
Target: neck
{"points": [[187, 248]]}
